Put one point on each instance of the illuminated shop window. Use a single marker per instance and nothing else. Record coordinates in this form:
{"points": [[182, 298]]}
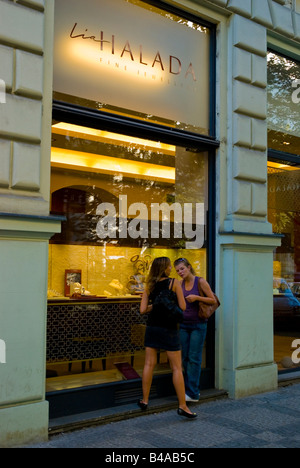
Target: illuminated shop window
{"points": [[126, 202], [283, 202], [139, 181], [126, 199]]}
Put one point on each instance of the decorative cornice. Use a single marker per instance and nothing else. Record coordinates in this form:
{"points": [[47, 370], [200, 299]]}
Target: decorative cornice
{"points": [[273, 14]]}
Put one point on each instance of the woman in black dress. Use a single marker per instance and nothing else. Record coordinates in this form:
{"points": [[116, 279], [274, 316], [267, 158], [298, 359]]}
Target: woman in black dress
{"points": [[162, 332]]}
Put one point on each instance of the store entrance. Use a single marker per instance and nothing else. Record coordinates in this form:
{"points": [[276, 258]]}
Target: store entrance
{"points": [[132, 172], [125, 202]]}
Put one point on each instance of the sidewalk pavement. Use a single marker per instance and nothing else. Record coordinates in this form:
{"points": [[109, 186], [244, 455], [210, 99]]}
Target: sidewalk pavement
{"points": [[268, 420]]}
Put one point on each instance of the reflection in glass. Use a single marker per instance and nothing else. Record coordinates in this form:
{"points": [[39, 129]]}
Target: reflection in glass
{"points": [[283, 201], [103, 182], [283, 104], [284, 214]]}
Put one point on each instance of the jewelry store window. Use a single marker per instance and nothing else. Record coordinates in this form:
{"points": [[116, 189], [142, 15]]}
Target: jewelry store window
{"points": [[131, 170], [284, 204]]}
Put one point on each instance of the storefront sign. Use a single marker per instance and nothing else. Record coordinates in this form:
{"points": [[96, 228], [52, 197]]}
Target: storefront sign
{"points": [[174, 64], [132, 57]]}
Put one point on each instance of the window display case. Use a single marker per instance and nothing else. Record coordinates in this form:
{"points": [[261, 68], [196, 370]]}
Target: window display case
{"points": [[116, 222], [130, 171]]}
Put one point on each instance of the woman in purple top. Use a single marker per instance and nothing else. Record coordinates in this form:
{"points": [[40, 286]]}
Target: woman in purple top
{"points": [[162, 332], [192, 329]]}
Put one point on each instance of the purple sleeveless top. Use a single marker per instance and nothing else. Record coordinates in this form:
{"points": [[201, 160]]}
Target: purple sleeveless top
{"points": [[190, 314]]}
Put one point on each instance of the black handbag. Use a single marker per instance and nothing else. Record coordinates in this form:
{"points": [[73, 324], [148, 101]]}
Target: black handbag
{"points": [[168, 299]]}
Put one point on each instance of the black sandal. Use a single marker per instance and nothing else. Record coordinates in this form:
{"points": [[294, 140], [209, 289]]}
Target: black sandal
{"points": [[181, 412], [142, 405]]}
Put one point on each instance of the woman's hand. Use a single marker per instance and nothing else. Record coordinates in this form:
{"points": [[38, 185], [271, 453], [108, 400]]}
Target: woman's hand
{"points": [[192, 298]]}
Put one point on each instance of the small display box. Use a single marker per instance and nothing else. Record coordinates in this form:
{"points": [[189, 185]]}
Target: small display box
{"points": [[71, 276]]}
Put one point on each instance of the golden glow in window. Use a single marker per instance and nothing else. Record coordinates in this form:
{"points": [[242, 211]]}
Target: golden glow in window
{"points": [[77, 131], [108, 165]]}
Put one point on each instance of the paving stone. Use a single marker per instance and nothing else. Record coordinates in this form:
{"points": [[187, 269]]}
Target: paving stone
{"points": [[271, 420]]}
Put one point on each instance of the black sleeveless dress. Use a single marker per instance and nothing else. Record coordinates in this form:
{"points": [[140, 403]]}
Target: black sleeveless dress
{"points": [[161, 332]]}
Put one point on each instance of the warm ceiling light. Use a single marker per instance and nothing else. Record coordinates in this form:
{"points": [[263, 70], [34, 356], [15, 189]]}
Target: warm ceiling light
{"points": [[108, 165], [88, 133], [285, 167]]}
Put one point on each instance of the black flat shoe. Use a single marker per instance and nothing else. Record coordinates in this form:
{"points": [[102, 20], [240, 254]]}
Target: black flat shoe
{"points": [[181, 412], [142, 405]]}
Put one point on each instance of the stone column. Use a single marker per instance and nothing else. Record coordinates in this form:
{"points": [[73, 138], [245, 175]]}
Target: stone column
{"points": [[245, 241], [26, 45]]}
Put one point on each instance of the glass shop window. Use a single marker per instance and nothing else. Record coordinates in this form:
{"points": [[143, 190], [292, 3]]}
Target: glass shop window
{"points": [[126, 201], [284, 204]]}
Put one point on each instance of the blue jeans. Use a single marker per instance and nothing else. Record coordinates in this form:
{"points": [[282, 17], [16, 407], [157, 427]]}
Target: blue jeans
{"points": [[192, 339]]}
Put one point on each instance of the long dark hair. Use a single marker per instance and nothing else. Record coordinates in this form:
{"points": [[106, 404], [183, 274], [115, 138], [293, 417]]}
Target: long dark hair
{"points": [[157, 271], [186, 263]]}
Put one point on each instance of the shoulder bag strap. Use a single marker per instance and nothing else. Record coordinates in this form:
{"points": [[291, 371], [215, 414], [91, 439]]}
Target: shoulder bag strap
{"points": [[199, 288]]}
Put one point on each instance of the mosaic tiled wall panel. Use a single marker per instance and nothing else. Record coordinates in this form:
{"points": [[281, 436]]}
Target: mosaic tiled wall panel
{"points": [[79, 332]]}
